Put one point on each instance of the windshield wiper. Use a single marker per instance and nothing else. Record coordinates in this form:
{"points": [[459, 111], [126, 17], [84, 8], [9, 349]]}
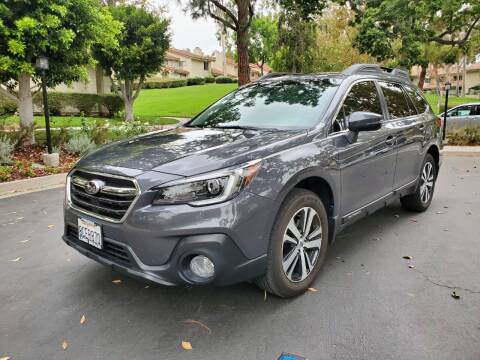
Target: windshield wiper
{"points": [[242, 127]]}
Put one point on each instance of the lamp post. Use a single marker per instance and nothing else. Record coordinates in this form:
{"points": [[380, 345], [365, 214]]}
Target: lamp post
{"points": [[447, 89], [42, 65]]}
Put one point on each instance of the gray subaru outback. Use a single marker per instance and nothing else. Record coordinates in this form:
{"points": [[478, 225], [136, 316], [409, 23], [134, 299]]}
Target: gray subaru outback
{"points": [[256, 187]]}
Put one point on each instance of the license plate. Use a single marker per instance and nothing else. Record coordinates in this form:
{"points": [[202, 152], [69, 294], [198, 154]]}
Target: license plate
{"points": [[90, 233]]}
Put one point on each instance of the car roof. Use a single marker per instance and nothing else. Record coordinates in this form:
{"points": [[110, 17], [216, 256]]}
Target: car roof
{"points": [[355, 71]]}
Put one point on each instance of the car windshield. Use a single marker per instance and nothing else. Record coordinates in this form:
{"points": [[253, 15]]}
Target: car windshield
{"points": [[280, 104]]}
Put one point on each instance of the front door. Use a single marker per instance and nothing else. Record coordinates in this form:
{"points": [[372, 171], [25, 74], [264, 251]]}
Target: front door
{"points": [[367, 166]]}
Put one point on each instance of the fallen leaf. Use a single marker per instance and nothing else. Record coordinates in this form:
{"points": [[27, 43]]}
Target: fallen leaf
{"points": [[50, 226], [414, 220], [411, 266], [23, 242], [186, 345], [82, 319], [439, 212], [67, 259], [455, 295], [190, 321], [376, 239], [16, 259], [146, 286], [265, 295], [21, 218], [445, 207], [312, 289], [397, 216], [117, 281], [64, 345], [407, 257], [445, 229]]}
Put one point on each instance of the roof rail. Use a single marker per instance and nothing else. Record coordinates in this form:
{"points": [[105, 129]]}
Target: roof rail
{"points": [[273, 75], [373, 68]]}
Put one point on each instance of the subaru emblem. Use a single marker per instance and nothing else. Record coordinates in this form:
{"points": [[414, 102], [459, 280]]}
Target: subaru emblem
{"points": [[92, 187]]}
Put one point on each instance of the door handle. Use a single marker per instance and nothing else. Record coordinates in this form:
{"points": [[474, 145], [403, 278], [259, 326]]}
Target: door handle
{"points": [[390, 141]]}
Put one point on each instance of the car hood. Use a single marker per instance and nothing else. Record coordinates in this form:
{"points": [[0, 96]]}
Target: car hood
{"points": [[187, 151]]}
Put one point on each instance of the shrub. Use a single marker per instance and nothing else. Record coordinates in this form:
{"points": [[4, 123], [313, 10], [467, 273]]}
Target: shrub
{"points": [[5, 173], [6, 150], [7, 106], [209, 79], [113, 103], [223, 80], [467, 136], [195, 81], [79, 144], [165, 84], [85, 104]]}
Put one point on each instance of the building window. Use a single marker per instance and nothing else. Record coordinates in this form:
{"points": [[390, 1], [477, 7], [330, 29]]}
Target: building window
{"points": [[206, 65]]}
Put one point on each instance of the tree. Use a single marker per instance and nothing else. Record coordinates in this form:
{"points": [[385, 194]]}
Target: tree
{"points": [[262, 40], [62, 30], [334, 49], [297, 35], [399, 29], [143, 43], [236, 15]]}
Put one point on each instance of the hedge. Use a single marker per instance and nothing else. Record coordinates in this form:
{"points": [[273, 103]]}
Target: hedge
{"points": [[165, 84], [60, 103], [209, 79], [195, 81], [223, 80]]}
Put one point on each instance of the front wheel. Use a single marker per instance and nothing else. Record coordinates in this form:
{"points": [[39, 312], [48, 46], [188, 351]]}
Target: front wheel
{"points": [[422, 197], [298, 245]]}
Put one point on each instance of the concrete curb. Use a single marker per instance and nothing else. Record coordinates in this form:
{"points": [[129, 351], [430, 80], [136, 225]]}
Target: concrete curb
{"points": [[25, 186], [461, 150]]}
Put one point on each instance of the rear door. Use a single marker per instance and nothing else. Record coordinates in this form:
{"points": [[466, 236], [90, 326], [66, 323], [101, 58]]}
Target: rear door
{"points": [[367, 165], [409, 130], [460, 117]]}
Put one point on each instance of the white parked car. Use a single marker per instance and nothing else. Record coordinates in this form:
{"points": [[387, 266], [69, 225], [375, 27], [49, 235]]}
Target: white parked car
{"points": [[466, 115]]}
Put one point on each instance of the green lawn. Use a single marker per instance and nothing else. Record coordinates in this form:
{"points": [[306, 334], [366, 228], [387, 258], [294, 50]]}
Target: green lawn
{"points": [[179, 102], [76, 121], [452, 101]]}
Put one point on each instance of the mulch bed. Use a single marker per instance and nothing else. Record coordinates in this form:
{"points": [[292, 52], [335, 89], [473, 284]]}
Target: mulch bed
{"points": [[24, 158]]}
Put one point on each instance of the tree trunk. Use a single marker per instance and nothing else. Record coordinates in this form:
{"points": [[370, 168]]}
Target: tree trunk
{"points": [[25, 109], [464, 75], [128, 100], [242, 42], [261, 67], [421, 78]]}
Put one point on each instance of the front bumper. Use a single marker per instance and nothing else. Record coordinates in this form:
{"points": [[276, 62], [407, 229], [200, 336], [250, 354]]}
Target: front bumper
{"points": [[157, 242]]}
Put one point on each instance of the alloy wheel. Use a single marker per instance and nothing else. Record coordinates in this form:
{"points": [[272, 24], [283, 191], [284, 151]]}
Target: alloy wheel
{"points": [[302, 241], [426, 184]]}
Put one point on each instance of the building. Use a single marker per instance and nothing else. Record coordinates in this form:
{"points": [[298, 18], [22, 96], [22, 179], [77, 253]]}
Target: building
{"points": [[452, 73], [97, 83], [184, 63], [226, 66]]}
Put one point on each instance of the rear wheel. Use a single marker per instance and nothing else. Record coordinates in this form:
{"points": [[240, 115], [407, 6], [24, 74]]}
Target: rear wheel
{"points": [[298, 245], [422, 197]]}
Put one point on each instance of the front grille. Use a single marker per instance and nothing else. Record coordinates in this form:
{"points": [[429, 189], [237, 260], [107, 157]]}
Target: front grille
{"points": [[110, 250], [111, 202]]}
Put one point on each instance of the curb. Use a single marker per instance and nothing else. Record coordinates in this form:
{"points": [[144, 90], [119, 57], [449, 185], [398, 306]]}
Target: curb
{"points": [[461, 150], [25, 186]]}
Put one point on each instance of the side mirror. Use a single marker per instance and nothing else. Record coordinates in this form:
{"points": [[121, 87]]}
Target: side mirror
{"points": [[364, 121]]}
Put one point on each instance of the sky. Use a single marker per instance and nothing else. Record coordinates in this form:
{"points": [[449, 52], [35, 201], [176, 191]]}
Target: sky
{"points": [[189, 33]]}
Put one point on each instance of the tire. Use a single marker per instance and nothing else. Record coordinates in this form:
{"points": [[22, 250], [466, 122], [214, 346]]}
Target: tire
{"points": [[300, 204], [422, 197]]}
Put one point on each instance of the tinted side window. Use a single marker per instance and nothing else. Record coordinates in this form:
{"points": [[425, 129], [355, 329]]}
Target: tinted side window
{"points": [[476, 110], [363, 96], [396, 102], [417, 99], [461, 111]]}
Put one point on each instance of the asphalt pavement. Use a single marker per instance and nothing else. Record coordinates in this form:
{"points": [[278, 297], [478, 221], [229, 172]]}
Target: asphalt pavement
{"points": [[369, 303]]}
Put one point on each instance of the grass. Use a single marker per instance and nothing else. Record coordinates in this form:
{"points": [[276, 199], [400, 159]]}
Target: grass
{"points": [[432, 99], [179, 102], [77, 121]]}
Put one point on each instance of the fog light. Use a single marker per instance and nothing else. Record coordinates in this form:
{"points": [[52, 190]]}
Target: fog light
{"points": [[202, 266]]}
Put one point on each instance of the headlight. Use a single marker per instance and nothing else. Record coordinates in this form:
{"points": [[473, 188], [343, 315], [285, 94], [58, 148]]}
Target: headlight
{"points": [[209, 188]]}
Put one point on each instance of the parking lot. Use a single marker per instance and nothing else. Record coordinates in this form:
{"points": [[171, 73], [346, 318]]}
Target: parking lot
{"points": [[368, 303]]}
